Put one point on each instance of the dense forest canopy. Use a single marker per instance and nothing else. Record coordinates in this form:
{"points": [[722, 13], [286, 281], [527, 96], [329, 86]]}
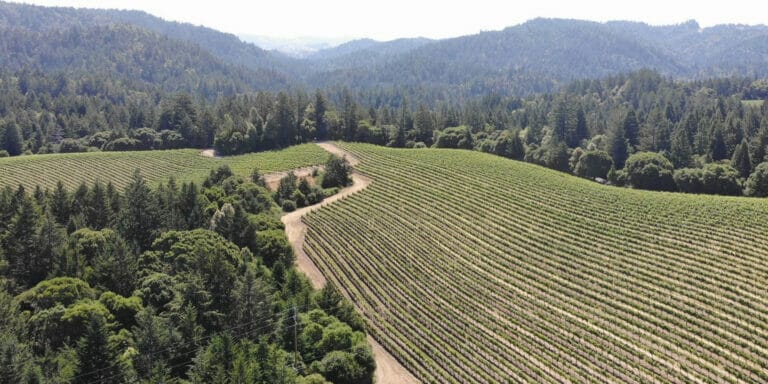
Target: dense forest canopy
{"points": [[690, 123], [180, 283]]}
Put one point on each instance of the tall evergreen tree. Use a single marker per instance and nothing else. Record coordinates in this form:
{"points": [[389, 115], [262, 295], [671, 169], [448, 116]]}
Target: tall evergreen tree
{"points": [[680, 151], [617, 143], [59, 204], [349, 116], [718, 149], [21, 242], [96, 363], [581, 130], [50, 237], [321, 126], [98, 215], [138, 221], [12, 140], [285, 121], [741, 160], [631, 129]]}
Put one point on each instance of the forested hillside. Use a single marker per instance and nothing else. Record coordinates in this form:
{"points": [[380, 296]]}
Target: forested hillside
{"points": [[538, 56], [181, 282]]}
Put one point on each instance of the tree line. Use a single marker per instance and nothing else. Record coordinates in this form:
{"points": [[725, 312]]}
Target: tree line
{"points": [[691, 124]]}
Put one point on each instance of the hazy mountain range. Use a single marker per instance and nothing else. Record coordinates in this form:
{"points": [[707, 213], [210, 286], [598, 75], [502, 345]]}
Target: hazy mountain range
{"points": [[537, 56]]}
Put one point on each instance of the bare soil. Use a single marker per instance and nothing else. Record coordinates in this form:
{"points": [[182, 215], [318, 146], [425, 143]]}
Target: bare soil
{"points": [[388, 369], [208, 153], [273, 179]]}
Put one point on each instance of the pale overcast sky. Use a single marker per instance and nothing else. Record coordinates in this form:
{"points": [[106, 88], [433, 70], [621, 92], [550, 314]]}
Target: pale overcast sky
{"points": [[390, 19]]}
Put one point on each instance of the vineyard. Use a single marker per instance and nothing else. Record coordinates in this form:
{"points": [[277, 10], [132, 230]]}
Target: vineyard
{"points": [[471, 268], [155, 166]]}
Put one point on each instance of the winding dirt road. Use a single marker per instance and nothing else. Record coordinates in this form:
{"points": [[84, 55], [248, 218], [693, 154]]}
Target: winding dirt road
{"points": [[388, 369]]}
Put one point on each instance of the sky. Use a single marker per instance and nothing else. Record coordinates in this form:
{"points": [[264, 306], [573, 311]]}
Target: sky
{"points": [[391, 19]]}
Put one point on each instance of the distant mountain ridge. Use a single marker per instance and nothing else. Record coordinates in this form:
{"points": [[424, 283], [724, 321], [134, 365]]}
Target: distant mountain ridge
{"points": [[538, 56]]}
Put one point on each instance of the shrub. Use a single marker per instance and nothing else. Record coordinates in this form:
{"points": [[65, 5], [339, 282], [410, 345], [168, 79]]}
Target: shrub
{"points": [[593, 164], [650, 170], [757, 183], [289, 205]]}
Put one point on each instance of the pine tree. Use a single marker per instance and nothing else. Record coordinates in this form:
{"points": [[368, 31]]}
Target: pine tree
{"points": [[21, 242], [349, 116], [50, 237], [680, 151], [618, 147], [741, 160], [560, 120], [80, 201], [97, 212], [253, 305], [96, 363], [321, 126], [115, 202], [631, 129], [138, 219], [581, 131], [60, 203], [12, 140], [717, 147]]}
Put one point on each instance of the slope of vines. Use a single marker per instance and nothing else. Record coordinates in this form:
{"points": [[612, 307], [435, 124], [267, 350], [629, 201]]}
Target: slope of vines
{"points": [[471, 268], [155, 166]]}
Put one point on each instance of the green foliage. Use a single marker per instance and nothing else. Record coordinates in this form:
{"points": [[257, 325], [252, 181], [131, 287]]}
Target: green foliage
{"points": [[96, 363], [200, 253], [718, 179], [12, 140], [57, 291], [510, 145], [337, 173], [618, 147], [741, 160], [757, 183], [272, 246], [594, 164], [138, 222], [454, 137], [650, 170]]}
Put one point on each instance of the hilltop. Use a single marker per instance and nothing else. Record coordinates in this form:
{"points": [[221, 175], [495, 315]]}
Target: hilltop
{"points": [[538, 56]]}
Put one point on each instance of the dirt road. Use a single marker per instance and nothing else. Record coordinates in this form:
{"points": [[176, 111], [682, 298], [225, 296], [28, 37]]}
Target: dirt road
{"points": [[388, 369]]}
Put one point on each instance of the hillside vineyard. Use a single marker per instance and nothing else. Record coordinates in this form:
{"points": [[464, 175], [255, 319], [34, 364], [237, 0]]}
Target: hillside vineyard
{"points": [[184, 165], [475, 269]]}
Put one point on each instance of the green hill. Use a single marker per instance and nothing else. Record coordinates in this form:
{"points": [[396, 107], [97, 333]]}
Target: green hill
{"points": [[155, 166], [471, 268]]}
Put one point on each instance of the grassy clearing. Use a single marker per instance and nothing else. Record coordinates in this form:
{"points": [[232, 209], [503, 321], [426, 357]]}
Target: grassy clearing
{"points": [[156, 166], [471, 268]]}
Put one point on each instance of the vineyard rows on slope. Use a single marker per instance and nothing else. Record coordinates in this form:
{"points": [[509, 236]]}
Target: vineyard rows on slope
{"points": [[471, 268], [156, 166]]}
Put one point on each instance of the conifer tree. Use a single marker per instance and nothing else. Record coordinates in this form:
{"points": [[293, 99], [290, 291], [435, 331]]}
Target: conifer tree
{"points": [[96, 363], [741, 160], [21, 241], [138, 219], [618, 147], [12, 140], [631, 129], [680, 151], [59, 204], [97, 211]]}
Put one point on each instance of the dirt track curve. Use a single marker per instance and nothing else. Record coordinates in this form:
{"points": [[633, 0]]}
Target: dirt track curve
{"points": [[388, 369]]}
